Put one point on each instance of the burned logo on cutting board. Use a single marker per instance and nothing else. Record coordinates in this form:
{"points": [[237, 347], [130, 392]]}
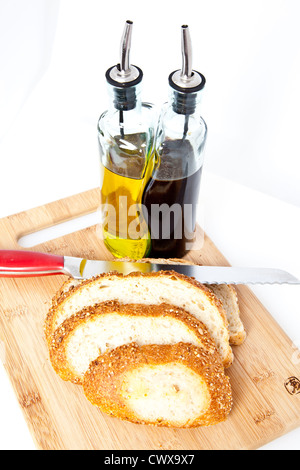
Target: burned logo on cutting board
{"points": [[292, 385]]}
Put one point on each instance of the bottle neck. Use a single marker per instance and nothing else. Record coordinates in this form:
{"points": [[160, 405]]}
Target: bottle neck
{"points": [[124, 98], [185, 103]]}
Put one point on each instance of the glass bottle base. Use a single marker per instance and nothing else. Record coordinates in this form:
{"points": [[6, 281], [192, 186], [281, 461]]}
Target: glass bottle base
{"points": [[127, 248]]}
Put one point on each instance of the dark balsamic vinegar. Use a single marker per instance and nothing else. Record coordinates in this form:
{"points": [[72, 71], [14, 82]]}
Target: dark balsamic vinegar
{"points": [[172, 227], [179, 144]]}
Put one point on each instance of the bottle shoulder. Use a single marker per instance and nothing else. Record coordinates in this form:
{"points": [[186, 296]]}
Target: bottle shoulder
{"points": [[143, 117], [172, 125], [168, 114], [143, 107]]}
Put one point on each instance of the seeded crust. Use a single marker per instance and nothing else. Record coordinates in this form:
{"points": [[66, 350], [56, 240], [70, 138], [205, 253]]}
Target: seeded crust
{"points": [[103, 381], [63, 334]]}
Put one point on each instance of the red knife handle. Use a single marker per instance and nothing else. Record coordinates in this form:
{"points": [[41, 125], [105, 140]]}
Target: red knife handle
{"points": [[14, 263]]}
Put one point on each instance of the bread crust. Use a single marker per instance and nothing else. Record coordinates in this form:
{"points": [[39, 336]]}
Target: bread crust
{"points": [[102, 383], [63, 334]]}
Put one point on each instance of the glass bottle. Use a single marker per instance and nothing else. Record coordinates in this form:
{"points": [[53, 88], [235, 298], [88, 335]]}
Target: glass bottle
{"points": [[171, 195], [125, 135]]}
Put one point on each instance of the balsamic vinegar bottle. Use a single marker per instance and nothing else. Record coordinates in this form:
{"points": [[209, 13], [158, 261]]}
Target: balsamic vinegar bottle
{"points": [[125, 135], [171, 195]]}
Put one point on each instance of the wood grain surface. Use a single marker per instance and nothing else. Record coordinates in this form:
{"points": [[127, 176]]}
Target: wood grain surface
{"points": [[264, 375]]}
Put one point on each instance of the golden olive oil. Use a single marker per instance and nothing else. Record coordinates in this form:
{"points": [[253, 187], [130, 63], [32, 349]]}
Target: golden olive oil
{"points": [[124, 229]]}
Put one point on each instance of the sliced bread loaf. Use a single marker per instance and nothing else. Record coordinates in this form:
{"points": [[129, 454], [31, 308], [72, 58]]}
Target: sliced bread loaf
{"points": [[176, 385], [82, 337], [227, 294], [147, 289]]}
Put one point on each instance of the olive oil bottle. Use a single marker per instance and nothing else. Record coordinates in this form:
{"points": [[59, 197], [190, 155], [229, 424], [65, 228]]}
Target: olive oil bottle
{"points": [[125, 135]]}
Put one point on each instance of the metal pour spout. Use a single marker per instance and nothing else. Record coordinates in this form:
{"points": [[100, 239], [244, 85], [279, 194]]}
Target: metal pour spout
{"points": [[124, 72], [186, 50], [125, 47], [186, 78]]}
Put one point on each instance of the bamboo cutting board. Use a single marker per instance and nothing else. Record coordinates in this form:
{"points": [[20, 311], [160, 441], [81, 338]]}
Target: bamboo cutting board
{"points": [[265, 375]]}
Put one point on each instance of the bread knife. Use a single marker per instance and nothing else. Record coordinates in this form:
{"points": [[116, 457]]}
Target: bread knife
{"points": [[18, 263]]}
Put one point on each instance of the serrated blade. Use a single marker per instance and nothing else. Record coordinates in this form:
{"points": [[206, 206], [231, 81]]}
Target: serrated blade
{"points": [[85, 269]]}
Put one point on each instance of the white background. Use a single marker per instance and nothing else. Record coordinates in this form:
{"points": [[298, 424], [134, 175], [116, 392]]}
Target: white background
{"points": [[248, 50], [53, 57]]}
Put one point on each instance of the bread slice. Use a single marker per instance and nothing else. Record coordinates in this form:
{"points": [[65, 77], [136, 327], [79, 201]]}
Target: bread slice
{"points": [[148, 289], [227, 294], [81, 338], [229, 298], [177, 386]]}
